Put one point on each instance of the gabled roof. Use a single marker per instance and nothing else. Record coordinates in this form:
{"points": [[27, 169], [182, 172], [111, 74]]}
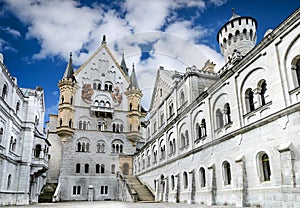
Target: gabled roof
{"points": [[101, 48], [163, 78]]}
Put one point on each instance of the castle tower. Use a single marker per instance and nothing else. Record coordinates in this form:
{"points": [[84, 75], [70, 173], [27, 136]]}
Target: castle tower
{"points": [[65, 126], [238, 35], [134, 95]]}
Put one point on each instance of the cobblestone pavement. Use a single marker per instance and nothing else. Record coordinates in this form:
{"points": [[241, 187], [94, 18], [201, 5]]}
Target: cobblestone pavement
{"points": [[111, 204]]}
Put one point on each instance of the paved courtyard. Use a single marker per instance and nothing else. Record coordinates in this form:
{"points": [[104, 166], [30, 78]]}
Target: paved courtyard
{"points": [[111, 204]]}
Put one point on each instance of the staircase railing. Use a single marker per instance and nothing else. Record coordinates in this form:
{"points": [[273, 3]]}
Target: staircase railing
{"points": [[126, 192], [56, 195]]}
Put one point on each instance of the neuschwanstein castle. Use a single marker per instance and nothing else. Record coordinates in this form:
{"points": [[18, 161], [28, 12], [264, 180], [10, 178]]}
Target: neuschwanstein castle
{"points": [[226, 136]]}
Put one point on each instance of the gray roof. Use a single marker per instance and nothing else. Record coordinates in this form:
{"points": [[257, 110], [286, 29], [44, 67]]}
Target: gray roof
{"points": [[133, 80], [69, 73]]}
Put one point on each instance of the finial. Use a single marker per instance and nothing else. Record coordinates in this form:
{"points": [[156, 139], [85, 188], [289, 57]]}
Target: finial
{"points": [[103, 39], [70, 54], [132, 66], [232, 11]]}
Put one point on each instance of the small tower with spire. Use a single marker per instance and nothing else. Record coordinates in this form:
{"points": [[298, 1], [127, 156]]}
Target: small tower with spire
{"points": [[134, 96], [65, 126], [123, 64], [237, 36]]}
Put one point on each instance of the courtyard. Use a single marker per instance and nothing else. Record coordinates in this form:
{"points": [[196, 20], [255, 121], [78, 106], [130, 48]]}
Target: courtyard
{"points": [[111, 204]]}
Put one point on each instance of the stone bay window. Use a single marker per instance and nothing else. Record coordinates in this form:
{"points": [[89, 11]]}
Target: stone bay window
{"points": [[102, 108]]}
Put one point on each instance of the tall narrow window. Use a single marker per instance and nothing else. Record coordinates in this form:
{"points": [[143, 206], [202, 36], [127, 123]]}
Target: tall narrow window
{"points": [[4, 91], [266, 167], [262, 93], [185, 180], [97, 168], [227, 112], [60, 122], [71, 100], [298, 72], [219, 119], [249, 100], [62, 99], [86, 168], [198, 131], [77, 168], [8, 181], [113, 169], [172, 182], [102, 168], [227, 173], [202, 177], [182, 140], [1, 135], [38, 149], [17, 107], [203, 127]]}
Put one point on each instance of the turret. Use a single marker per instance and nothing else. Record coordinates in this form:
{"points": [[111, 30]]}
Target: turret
{"points": [[134, 96], [65, 126], [237, 37]]}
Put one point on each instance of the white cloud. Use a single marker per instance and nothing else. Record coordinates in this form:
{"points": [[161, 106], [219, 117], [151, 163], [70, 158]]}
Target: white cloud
{"points": [[11, 31], [62, 26]]}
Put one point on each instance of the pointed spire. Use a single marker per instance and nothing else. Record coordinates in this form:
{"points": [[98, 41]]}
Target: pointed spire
{"points": [[123, 64], [133, 80], [69, 73]]}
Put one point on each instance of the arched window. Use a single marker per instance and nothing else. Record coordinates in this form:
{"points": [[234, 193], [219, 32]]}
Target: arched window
{"points": [[230, 39], [297, 70], [94, 85], [249, 100], [102, 169], [17, 107], [202, 177], [263, 89], [60, 122], [130, 106], [219, 119], [227, 173], [86, 168], [97, 168], [172, 182], [182, 139], [71, 100], [171, 146], [203, 127], [80, 125], [70, 123], [174, 145], [114, 127], [265, 163], [4, 91], [99, 86], [77, 168], [113, 169], [62, 99], [185, 180], [187, 140], [78, 147], [171, 109], [8, 181], [1, 135], [198, 131], [227, 112]]}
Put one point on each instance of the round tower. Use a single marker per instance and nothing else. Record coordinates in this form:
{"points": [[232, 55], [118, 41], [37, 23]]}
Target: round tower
{"points": [[65, 128], [238, 35]]}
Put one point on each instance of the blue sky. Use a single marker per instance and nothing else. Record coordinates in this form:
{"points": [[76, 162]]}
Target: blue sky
{"points": [[36, 36]]}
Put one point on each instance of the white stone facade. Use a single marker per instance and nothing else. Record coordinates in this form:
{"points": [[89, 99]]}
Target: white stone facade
{"points": [[232, 137], [23, 144], [85, 163]]}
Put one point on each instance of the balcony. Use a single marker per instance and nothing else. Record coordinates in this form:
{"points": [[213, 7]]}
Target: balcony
{"points": [[102, 111]]}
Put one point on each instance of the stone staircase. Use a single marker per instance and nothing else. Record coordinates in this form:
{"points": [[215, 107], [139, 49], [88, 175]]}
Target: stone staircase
{"points": [[47, 192], [143, 193]]}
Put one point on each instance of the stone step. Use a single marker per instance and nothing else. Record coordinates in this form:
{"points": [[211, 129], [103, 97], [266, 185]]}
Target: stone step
{"points": [[47, 192], [144, 194]]}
